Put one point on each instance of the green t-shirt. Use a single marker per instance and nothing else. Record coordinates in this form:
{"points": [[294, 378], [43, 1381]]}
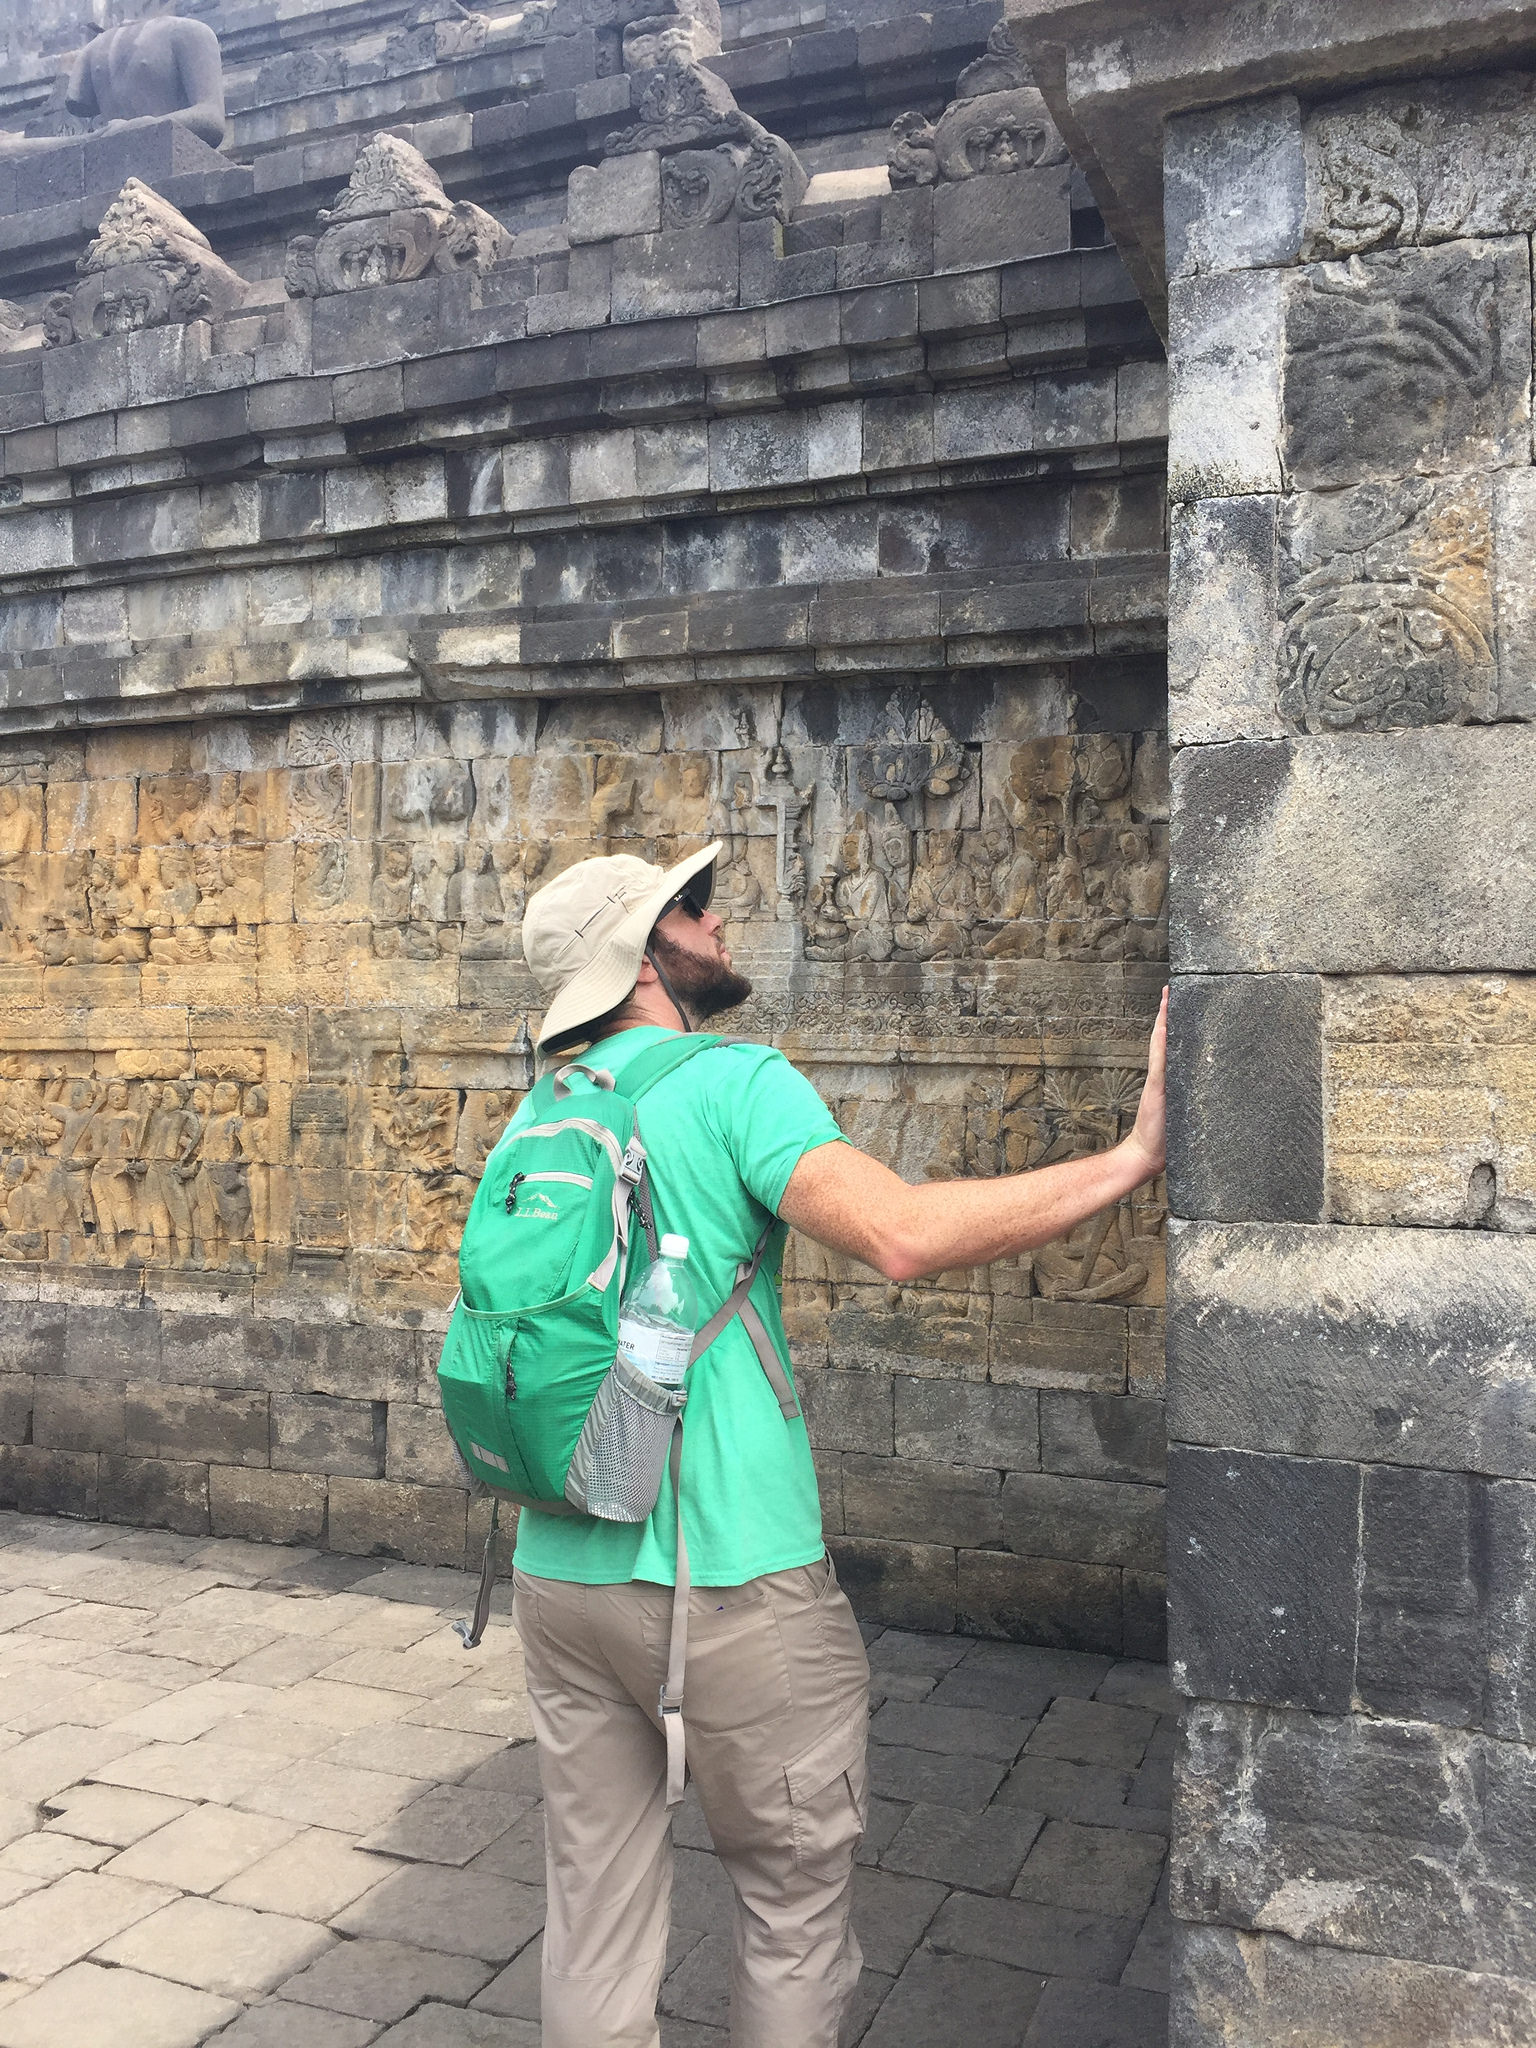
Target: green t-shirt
{"points": [[722, 1135]]}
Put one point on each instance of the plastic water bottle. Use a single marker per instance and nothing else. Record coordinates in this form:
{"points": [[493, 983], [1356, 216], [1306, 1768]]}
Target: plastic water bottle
{"points": [[659, 1315]]}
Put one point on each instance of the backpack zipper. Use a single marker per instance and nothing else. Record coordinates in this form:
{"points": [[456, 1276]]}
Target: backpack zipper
{"points": [[575, 1180]]}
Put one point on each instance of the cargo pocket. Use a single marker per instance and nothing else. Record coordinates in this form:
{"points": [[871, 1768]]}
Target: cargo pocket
{"points": [[828, 1798]]}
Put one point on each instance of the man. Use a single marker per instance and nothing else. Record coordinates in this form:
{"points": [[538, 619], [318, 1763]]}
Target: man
{"points": [[777, 1681]]}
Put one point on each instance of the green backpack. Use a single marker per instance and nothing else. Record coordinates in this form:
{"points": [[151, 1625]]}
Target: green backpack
{"points": [[533, 1335]]}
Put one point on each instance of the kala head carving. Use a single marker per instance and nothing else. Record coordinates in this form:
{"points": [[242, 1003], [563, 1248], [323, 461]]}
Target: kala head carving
{"points": [[394, 221], [148, 267]]}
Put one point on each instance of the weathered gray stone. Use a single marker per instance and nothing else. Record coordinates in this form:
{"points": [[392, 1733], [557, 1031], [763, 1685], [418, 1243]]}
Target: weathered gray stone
{"points": [[1062, 1605], [1224, 407], [1397, 874], [1412, 361], [1001, 219], [1095, 1436], [1254, 1614], [314, 1433], [1096, 1521], [1235, 187], [966, 1425], [1271, 1988], [1401, 1346], [1246, 1097], [1224, 635], [1357, 1834], [620, 196]]}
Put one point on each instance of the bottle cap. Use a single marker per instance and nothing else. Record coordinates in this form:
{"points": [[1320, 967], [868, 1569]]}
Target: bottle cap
{"points": [[674, 1247]]}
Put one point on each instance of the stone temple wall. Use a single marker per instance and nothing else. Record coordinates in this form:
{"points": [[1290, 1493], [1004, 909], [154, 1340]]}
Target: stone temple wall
{"points": [[638, 443]]}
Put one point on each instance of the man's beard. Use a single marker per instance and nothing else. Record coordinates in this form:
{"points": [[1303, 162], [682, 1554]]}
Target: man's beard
{"points": [[706, 986]]}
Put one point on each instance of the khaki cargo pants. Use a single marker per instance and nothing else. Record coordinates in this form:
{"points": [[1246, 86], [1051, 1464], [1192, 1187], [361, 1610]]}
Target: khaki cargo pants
{"points": [[777, 1708]]}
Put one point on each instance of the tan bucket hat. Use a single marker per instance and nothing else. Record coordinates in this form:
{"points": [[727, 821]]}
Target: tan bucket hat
{"points": [[585, 933]]}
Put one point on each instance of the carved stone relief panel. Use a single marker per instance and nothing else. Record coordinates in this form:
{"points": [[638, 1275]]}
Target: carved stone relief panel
{"points": [[1431, 161], [1409, 362], [997, 122], [268, 1020], [1386, 601]]}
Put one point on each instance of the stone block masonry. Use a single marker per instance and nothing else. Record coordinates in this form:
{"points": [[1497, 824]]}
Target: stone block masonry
{"points": [[536, 439], [1350, 1504]]}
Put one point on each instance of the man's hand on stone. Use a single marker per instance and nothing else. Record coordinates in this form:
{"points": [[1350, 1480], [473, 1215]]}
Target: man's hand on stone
{"points": [[1149, 1133]]}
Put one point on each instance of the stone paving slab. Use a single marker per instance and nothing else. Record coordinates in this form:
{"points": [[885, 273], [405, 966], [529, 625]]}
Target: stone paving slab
{"points": [[216, 1947], [264, 1797], [88, 2007], [385, 1980]]}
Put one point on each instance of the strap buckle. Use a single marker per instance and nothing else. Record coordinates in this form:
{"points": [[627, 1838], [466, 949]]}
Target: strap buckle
{"points": [[664, 1706], [632, 1165]]}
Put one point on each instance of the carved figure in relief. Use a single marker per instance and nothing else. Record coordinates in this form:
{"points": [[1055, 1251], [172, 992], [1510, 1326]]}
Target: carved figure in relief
{"points": [[255, 1150], [474, 900], [941, 902], [390, 897], [28, 1211], [171, 1136], [224, 1168], [434, 872], [20, 837], [825, 927], [612, 798], [112, 1142], [863, 898]]}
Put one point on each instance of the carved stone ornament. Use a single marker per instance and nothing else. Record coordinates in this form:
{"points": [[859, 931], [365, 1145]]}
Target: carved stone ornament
{"points": [[683, 106], [917, 757], [702, 186], [436, 32], [148, 267], [716, 161], [1388, 608], [1002, 69], [393, 222], [1435, 163], [996, 123]]}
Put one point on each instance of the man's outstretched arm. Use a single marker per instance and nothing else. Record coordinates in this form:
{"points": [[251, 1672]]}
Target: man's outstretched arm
{"points": [[851, 1202]]}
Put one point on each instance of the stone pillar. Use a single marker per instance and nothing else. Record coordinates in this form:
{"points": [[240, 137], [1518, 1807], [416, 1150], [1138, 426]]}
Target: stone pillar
{"points": [[1352, 1368]]}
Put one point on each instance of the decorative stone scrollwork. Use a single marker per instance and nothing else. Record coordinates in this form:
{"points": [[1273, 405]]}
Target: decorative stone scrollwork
{"points": [[1388, 609], [997, 122], [148, 267], [1002, 69], [393, 222], [698, 187], [702, 186], [683, 106], [716, 162], [1445, 161]]}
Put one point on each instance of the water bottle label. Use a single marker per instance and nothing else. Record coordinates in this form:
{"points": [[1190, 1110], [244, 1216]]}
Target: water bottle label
{"points": [[661, 1353]]}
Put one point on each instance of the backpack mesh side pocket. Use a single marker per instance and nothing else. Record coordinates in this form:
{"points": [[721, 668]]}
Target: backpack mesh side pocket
{"points": [[620, 1459]]}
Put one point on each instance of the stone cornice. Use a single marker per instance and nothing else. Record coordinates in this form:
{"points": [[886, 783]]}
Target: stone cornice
{"points": [[1113, 71]]}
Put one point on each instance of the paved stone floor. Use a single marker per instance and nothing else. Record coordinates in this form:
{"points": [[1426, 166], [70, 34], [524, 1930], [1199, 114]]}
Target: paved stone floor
{"points": [[265, 1797]]}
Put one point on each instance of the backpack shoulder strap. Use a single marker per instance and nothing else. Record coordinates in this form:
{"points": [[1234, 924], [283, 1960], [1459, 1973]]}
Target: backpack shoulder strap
{"points": [[657, 1061]]}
